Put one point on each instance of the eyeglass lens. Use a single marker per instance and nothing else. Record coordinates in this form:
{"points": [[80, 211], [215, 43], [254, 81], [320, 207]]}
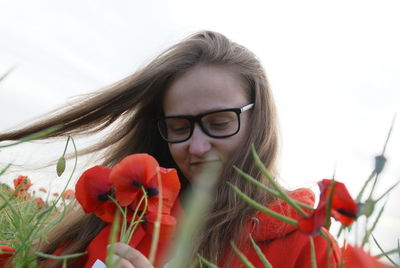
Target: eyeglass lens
{"points": [[218, 124]]}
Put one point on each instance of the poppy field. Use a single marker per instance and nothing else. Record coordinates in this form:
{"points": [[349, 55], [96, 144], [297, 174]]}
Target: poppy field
{"points": [[136, 198]]}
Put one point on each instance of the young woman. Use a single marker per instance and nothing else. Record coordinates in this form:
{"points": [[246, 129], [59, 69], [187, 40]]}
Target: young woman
{"points": [[204, 99]]}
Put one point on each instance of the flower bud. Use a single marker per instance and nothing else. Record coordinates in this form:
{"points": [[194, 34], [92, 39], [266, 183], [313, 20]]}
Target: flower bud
{"points": [[368, 207], [380, 161]]}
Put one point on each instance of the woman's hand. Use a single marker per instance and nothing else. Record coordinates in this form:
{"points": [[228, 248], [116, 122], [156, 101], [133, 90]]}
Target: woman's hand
{"points": [[128, 257]]}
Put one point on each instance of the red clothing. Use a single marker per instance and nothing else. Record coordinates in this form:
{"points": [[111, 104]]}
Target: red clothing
{"points": [[282, 244]]}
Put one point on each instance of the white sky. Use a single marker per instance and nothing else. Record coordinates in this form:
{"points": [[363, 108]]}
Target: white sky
{"points": [[334, 68]]}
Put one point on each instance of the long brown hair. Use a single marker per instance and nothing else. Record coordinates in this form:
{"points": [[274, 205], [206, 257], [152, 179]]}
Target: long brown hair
{"points": [[131, 106]]}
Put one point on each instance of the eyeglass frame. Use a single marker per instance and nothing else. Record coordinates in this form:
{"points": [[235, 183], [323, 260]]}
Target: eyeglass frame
{"points": [[197, 119]]}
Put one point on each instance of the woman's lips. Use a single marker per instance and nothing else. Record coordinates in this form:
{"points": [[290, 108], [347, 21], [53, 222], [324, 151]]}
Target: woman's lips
{"points": [[197, 163]]}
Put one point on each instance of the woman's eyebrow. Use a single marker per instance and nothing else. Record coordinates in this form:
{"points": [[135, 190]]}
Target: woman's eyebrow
{"points": [[204, 112]]}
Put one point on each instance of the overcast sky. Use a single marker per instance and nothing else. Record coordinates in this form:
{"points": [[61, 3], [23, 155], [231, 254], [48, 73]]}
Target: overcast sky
{"points": [[334, 68]]}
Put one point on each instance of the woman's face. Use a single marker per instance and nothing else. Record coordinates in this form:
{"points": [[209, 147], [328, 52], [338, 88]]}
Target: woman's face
{"points": [[201, 90]]}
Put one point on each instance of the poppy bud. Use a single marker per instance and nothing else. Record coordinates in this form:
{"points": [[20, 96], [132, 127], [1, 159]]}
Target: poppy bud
{"points": [[60, 166], [368, 207], [380, 161]]}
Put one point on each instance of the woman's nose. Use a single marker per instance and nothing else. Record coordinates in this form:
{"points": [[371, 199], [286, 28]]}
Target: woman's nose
{"points": [[199, 143]]}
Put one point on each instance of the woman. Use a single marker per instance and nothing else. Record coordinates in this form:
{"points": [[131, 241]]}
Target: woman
{"points": [[213, 101]]}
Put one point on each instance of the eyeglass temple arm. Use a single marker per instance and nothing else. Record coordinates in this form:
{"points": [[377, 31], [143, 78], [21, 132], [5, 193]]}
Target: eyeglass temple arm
{"points": [[247, 107]]}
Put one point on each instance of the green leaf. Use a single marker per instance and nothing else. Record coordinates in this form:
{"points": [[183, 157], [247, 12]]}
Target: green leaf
{"points": [[262, 208], [60, 166], [265, 188], [282, 194]]}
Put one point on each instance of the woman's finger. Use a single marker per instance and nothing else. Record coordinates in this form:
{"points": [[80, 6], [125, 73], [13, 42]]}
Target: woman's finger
{"points": [[120, 262], [133, 256]]}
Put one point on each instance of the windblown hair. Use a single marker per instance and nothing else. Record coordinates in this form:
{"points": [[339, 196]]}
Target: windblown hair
{"points": [[135, 102]]}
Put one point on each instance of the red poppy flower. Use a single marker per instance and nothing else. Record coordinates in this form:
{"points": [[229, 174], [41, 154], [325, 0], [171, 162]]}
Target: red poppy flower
{"points": [[39, 202], [92, 188], [23, 182], [41, 189], [130, 175], [24, 195], [357, 257], [56, 194], [68, 194], [343, 207], [6, 254], [141, 170]]}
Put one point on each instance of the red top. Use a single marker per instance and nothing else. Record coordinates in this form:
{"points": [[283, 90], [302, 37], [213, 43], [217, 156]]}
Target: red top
{"points": [[283, 244]]}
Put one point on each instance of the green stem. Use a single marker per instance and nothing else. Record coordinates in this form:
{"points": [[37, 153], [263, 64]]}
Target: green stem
{"points": [[206, 262], [369, 232], [393, 251], [267, 189], [63, 257], [260, 254], [132, 227], [387, 191], [35, 136], [73, 169], [383, 252], [241, 256], [66, 145], [282, 195], [313, 256], [261, 207], [156, 233]]}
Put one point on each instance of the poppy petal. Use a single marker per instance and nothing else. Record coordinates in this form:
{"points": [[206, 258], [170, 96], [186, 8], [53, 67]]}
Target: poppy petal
{"points": [[357, 257], [91, 188], [39, 202], [170, 190], [130, 174], [343, 207], [68, 194], [106, 211], [23, 182], [6, 254]]}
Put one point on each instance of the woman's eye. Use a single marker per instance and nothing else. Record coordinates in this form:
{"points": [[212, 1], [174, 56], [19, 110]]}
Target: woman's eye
{"points": [[179, 129], [219, 124]]}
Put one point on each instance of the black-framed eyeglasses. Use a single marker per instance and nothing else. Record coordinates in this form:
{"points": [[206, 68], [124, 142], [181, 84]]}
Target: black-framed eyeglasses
{"points": [[216, 124]]}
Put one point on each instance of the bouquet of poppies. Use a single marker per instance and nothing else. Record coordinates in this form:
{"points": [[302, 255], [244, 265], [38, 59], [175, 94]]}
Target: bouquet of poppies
{"points": [[135, 194]]}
